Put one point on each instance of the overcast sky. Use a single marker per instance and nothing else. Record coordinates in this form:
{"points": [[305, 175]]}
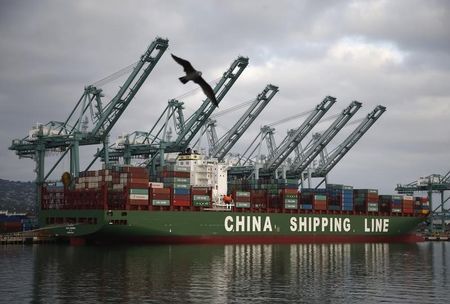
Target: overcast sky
{"points": [[393, 53]]}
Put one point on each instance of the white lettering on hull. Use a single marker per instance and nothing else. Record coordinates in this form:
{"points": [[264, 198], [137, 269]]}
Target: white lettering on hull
{"points": [[246, 223], [323, 224], [376, 225]]}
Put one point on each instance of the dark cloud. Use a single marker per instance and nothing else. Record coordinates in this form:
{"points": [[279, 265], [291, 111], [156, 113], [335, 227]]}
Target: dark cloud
{"points": [[394, 53]]}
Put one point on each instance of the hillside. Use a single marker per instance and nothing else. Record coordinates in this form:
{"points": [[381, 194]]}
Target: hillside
{"points": [[17, 196]]}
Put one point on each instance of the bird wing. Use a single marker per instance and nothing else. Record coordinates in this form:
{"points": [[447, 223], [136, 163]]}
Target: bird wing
{"points": [[187, 66], [209, 92]]}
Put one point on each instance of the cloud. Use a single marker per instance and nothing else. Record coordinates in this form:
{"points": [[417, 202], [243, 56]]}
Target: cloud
{"points": [[394, 53]]}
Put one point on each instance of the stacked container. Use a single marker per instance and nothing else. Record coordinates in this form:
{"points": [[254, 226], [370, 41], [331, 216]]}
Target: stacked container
{"points": [[340, 197], [201, 197], [421, 205], [347, 201], [241, 199], [391, 203], [159, 196], [385, 203], [396, 204], [313, 199], [258, 199], [365, 200], [178, 179], [137, 182], [408, 204], [320, 202], [289, 197]]}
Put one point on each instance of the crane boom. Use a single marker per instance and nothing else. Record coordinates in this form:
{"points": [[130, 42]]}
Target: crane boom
{"points": [[291, 141], [349, 142], [211, 133], [187, 129], [300, 165], [198, 119], [233, 135], [118, 104]]}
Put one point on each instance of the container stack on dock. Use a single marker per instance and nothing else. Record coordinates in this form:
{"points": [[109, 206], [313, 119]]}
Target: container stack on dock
{"points": [[408, 204], [421, 205], [137, 184], [289, 198], [12, 222], [391, 203], [260, 200], [177, 178], [127, 187], [340, 197], [313, 199], [365, 200], [241, 199], [265, 193], [396, 203], [159, 196], [201, 197]]}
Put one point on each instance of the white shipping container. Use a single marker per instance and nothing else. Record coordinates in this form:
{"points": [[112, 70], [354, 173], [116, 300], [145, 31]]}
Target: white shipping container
{"points": [[156, 185], [117, 186], [139, 196]]}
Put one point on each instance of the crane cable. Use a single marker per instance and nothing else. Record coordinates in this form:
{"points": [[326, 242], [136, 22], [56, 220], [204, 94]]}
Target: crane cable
{"points": [[115, 76]]}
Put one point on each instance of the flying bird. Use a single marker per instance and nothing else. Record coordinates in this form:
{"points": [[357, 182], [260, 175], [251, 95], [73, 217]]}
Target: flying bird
{"points": [[195, 76]]}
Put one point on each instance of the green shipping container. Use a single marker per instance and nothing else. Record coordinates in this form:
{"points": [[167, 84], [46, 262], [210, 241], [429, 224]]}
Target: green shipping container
{"points": [[200, 203], [177, 180], [138, 191], [242, 194], [292, 196], [180, 186], [290, 205], [242, 204], [290, 200], [318, 197], [203, 198]]}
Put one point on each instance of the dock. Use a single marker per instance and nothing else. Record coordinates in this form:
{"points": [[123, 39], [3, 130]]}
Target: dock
{"points": [[28, 237]]}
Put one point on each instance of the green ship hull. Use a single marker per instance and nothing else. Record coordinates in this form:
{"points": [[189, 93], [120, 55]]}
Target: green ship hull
{"points": [[100, 226]]}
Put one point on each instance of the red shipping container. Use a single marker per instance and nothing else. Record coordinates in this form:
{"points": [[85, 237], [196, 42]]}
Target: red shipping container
{"points": [[200, 191], [138, 185], [138, 202], [176, 174], [320, 205], [181, 202], [137, 180], [182, 197], [289, 191], [160, 190], [162, 196]]}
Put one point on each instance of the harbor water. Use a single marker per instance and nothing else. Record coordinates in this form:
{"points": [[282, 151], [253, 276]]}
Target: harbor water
{"points": [[298, 273]]}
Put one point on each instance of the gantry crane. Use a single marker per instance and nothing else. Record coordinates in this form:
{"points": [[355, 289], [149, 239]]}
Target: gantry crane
{"points": [[154, 144], [301, 163], [288, 145], [324, 168], [69, 135], [292, 140], [222, 147], [434, 183]]}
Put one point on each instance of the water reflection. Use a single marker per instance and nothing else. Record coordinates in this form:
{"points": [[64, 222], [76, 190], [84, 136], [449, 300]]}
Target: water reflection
{"points": [[337, 273]]}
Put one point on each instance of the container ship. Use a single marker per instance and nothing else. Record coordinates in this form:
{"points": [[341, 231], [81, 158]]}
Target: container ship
{"points": [[192, 200]]}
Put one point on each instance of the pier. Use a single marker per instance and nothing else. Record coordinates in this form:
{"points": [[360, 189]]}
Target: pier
{"points": [[27, 237]]}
